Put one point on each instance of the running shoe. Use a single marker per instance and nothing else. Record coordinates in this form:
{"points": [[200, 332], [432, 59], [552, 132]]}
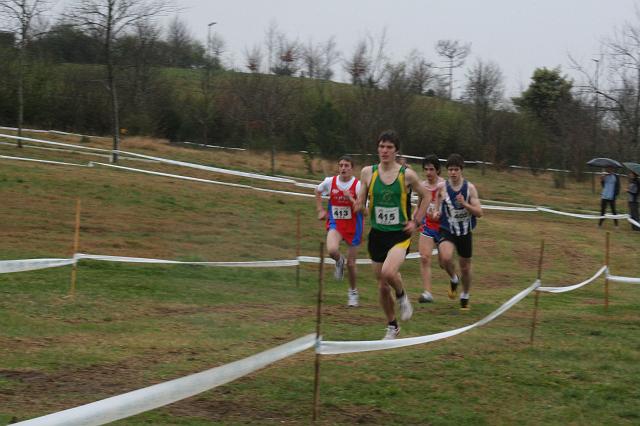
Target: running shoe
{"points": [[406, 310], [425, 297], [453, 289], [464, 304], [392, 332], [339, 273], [353, 298]]}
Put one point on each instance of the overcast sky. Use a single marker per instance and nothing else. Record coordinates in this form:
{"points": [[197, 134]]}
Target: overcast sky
{"points": [[519, 35]]}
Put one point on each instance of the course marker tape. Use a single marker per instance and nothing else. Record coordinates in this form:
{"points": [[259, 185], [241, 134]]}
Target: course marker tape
{"points": [[254, 264], [236, 185], [334, 348], [34, 160], [209, 168], [628, 280], [23, 265], [88, 148], [145, 399], [576, 286]]}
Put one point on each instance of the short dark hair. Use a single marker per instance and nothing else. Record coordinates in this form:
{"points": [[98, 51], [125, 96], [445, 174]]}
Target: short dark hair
{"points": [[390, 136], [433, 160], [455, 160], [346, 158]]}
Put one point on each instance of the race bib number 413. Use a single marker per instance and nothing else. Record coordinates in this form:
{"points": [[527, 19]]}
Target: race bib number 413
{"points": [[387, 215], [340, 212]]}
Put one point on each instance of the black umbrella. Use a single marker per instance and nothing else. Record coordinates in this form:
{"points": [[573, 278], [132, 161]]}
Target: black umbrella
{"points": [[634, 167], [604, 162]]}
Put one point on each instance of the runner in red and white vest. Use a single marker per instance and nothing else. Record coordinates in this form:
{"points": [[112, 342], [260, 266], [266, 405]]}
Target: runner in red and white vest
{"points": [[430, 229], [343, 224]]}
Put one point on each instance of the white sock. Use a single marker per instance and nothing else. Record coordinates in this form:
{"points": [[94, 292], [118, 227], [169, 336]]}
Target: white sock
{"points": [[454, 279], [464, 295]]}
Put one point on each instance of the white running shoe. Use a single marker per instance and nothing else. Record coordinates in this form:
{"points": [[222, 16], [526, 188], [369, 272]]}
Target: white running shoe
{"points": [[425, 297], [353, 298], [339, 273], [392, 333], [406, 310]]}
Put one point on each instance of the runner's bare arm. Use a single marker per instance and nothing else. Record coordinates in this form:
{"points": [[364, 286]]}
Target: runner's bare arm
{"points": [[435, 215], [413, 181], [365, 180], [322, 213], [473, 206]]}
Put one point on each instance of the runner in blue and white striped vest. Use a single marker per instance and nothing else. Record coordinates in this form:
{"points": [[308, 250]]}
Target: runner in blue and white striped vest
{"points": [[458, 208], [454, 217]]}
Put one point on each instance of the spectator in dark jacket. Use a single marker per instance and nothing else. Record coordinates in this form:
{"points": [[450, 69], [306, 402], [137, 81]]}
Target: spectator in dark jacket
{"points": [[633, 189], [610, 189]]}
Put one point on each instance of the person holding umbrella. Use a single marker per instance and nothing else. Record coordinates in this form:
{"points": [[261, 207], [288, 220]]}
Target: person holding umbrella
{"points": [[610, 189], [633, 190]]}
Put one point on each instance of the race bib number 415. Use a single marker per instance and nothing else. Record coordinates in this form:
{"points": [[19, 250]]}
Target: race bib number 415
{"points": [[340, 212], [387, 215]]}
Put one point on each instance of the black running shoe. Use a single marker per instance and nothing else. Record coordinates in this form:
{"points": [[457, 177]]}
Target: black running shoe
{"points": [[464, 304], [452, 292]]}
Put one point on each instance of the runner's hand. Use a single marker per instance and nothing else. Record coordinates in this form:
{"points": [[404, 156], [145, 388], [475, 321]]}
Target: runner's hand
{"points": [[410, 227], [322, 214]]}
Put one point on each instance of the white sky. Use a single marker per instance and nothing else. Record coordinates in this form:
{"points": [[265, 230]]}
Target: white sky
{"points": [[519, 35]]}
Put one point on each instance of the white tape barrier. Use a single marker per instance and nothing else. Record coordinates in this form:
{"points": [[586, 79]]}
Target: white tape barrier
{"points": [[73, 151], [573, 287], [626, 280], [124, 259], [210, 168], [584, 216], [334, 348], [59, 132], [22, 265], [235, 185], [141, 400], [330, 261], [214, 146], [60, 163], [633, 222], [509, 209], [68, 145], [7, 266]]}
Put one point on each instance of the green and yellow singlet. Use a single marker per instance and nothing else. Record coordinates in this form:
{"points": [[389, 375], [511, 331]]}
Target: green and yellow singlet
{"points": [[388, 203]]}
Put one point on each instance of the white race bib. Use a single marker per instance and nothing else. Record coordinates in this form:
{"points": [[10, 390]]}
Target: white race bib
{"points": [[341, 212], [387, 215]]}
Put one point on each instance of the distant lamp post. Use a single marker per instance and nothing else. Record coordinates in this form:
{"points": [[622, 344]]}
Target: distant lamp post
{"points": [[209, 25]]}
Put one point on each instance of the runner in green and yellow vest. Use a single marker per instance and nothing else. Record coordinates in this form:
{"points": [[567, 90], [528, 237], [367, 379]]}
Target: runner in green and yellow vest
{"points": [[388, 207], [386, 187]]}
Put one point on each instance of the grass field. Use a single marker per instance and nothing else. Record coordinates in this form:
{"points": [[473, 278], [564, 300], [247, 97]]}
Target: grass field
{"points": [[131, 326]]}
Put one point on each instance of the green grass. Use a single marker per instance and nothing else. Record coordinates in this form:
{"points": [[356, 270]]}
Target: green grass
{"points": [[131, 326]]}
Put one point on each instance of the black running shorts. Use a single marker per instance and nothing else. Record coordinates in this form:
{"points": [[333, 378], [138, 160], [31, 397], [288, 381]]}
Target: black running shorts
{"points": [[380, 242], [463, 243]]}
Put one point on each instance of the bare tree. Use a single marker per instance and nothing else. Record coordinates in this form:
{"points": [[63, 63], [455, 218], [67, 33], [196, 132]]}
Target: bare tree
{"points": [[420, 73], [253, 59], [367, 63], [107, 20], [484, 90], [319, 59], [454, 53], [21, 15]]}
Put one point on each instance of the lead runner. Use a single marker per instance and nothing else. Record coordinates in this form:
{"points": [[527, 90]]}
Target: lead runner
{"points": [[343, 224], [385, 185]]}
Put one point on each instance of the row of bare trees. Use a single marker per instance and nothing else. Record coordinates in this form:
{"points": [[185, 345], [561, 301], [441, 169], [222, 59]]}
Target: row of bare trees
{"points": [[553, 120]]}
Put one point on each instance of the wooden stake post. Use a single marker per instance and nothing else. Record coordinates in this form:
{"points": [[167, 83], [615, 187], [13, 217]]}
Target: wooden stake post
{"points": [[606, 279], [316, 386], [298, 248], [537, 296], [76, 244]]}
